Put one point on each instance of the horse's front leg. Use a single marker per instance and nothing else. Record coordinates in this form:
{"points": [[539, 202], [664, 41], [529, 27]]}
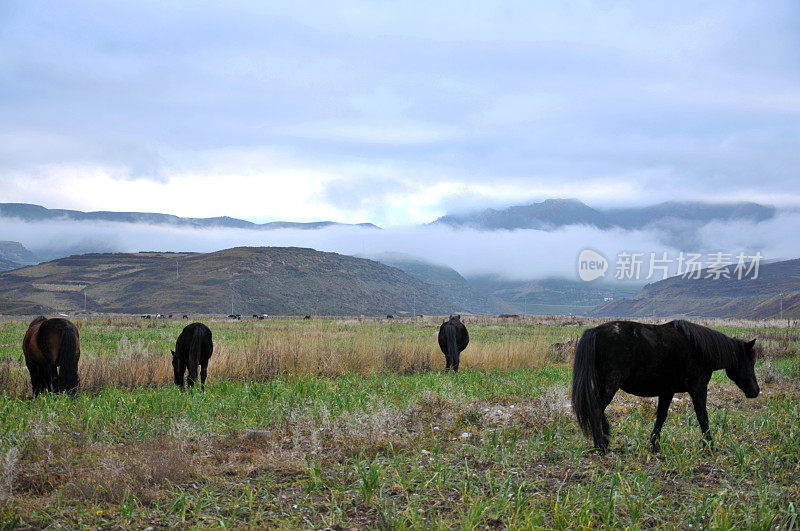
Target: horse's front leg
{"points": [[191, 375], [661, 415], [699, 397]]}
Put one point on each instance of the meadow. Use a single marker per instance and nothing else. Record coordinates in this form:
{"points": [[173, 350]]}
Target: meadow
{"points": [[344, 423]]}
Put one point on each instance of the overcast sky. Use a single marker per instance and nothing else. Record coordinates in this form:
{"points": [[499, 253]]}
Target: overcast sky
{"points": [[395, 113]]}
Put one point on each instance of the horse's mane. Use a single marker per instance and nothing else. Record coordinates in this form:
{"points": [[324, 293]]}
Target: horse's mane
{"points": [[715, 346]]}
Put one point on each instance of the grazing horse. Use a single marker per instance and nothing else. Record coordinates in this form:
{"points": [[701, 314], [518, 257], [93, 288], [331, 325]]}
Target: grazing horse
{"points": [[654, 360], [453, 338], [52, 349], [193, 348]]}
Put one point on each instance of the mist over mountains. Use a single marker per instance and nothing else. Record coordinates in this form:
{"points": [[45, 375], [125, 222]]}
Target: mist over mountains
{"points": [[554, 213], [514, 260]]}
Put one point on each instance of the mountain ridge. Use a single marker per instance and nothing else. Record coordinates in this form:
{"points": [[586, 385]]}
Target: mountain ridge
{"points": [[246, 280], [32, 213], [552, 214]]}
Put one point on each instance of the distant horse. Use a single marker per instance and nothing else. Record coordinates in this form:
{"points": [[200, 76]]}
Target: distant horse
{"points": [[52, 349], [453, 338], [193, 348], [654, 360]]}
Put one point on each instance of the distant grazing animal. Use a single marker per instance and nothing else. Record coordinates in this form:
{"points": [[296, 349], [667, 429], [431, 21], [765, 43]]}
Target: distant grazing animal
{"points": [[185, 316], [235, 316], [390, 316], [307, 317], [52, 349], [653, 360], [145, 317], [193, 349], [453, 338]]}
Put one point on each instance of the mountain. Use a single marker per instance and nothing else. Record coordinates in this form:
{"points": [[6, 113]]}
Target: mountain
{"points": [[749, 298], [688, 212], [466, 299], [246, 280], [6, 265], [551, 296], [31, 213], [554, 213], [16, 253], [548, 215]]}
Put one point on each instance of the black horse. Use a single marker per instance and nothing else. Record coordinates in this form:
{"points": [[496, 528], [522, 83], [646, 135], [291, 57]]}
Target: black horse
{"points": [[453, 338], [193, 348], [52, 349], [653, 360]]}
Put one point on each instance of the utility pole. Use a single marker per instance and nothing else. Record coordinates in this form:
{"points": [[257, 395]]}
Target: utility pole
{"points": [[781, 305], [84, 300]]}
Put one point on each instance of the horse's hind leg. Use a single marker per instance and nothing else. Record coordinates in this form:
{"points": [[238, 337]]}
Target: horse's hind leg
{"points": [[38, 383], [203, 374], [605, 427], [50, 378], [661, 415]]}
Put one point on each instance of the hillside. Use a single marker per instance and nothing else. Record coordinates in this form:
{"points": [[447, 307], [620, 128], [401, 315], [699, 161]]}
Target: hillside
{"points": [[273, 280], [33, 213], [705, 297], [466, 298], [551, 296]]}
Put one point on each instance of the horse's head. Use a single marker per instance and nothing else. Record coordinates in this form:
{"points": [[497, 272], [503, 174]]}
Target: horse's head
{"points": [[744, 375], [177, 369], [455, 317]]}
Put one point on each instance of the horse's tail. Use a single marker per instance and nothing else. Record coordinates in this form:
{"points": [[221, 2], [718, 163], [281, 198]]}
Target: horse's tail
{"points": [[196, 345], [67, 360], [450, 336], [585, 403]]}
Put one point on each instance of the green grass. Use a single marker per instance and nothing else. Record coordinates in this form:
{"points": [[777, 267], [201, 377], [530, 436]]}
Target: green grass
{"points": [[495, 448]]}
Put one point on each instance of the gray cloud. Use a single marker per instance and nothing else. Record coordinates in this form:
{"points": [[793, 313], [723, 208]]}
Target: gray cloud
{"points": [[676, 100]]}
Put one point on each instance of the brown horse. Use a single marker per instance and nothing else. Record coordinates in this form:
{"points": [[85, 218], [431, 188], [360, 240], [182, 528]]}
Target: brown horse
{"points": [[52, 349]]}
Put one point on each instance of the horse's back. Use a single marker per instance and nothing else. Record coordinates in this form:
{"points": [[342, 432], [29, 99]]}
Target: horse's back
{"points": [[643, 359], [183, 345], [43, 339], [462, 336]]}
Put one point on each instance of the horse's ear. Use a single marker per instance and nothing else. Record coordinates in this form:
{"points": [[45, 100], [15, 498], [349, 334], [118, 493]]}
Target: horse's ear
{"points": [[173, 353], [751, 343]]}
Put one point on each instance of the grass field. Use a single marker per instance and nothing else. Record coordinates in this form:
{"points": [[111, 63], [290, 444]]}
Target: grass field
{"points": [[351, 423]]}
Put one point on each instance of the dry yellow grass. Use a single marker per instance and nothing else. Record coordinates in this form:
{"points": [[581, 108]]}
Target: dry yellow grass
{"points": [[321, 348]]}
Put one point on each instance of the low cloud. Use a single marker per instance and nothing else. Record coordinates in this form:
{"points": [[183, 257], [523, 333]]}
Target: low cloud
{"points": [[519, 254]]}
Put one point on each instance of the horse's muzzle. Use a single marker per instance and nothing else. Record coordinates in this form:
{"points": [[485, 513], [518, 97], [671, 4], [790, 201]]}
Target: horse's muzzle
{"points": [[752, 393]]}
